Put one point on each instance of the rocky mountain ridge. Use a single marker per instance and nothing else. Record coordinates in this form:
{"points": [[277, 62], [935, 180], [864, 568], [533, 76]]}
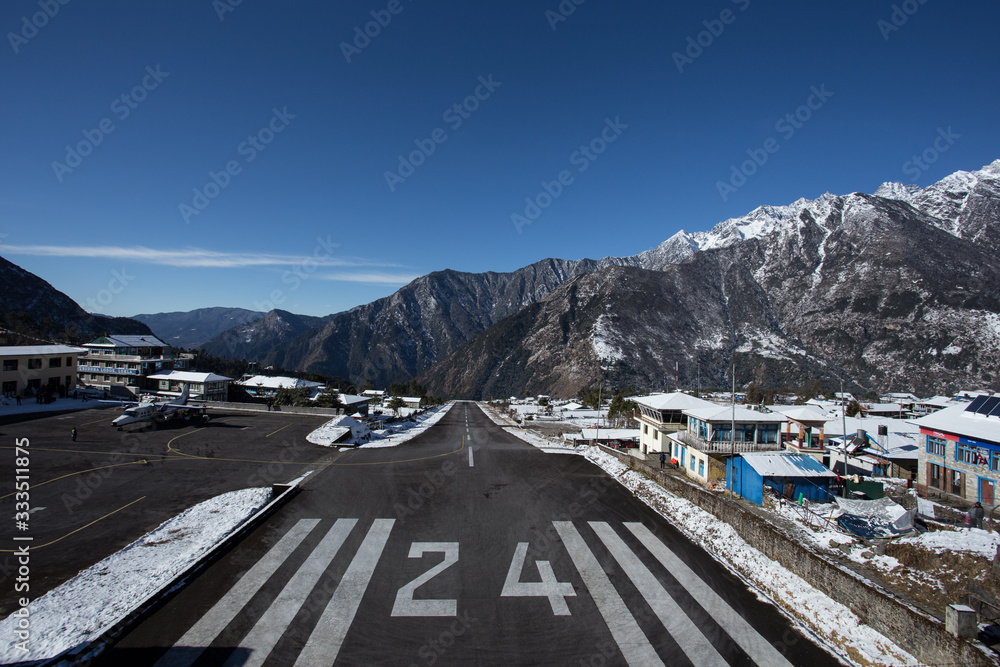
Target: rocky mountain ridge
{"points": [[782, 275]]}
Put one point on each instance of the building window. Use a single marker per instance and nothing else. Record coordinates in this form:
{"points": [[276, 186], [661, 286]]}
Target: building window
{"points": [[935, 446], [34, 364], [10, 364], [645, 429], [9, 388], [692, 462], [69, 362], [55, 362], [966, 454], [995, 461], [934, 476], [957, 483], [701, 467]]}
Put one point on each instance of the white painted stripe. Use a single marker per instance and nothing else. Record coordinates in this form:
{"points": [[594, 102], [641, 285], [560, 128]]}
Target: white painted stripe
{"points": [[208, 627], [687, 635], [759, 649], [272, 625], [626, 632], [327, 637], [472, 463]]}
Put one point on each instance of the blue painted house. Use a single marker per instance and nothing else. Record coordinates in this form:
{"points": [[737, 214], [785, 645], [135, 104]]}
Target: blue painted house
{"points": [[791, 475]]}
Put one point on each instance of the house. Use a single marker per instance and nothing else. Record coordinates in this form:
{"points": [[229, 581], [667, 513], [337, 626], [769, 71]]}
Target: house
{"points": [[412, 402], [960, 455], [702, 448], [886, 447], [203, 386], [793, 476], [121, 364], [30, 369], [905, 399], [804, 431], [354, 405], [627, 437], [662, 414], [263, 386], [926, 406], [887, 410]]}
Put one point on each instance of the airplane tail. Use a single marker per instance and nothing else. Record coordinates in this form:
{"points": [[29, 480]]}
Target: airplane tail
{"points": [[183, 398]]}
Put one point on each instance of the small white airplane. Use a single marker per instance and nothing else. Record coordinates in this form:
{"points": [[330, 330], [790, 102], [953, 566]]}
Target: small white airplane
{"points": [[149, 410]]}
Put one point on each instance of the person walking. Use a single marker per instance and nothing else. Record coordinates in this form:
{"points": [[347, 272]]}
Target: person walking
{"points": [[976, 515], [19, 399], [73, 434], [663, 460]]}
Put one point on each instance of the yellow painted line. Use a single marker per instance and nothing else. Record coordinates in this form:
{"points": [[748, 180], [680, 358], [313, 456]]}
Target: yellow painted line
{"points": [[176, 451], [56, 479], [82, 451], [42, 546], [280, 429]]}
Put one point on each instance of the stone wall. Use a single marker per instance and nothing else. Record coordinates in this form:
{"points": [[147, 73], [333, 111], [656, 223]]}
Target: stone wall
{"points": [[921, 635]]}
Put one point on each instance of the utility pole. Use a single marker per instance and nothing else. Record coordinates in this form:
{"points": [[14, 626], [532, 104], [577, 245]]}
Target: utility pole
{"points": [[600, 382], [843, 416], [732, 441]]}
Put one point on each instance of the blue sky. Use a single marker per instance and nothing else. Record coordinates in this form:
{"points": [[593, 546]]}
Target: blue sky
{"points": [[254, 159]]}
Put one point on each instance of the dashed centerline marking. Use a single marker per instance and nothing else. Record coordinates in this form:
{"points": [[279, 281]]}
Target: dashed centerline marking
{"points": [[472, 463]]}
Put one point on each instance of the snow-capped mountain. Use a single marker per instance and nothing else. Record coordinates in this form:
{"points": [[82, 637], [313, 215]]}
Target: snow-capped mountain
{"points": [[892, 290]]}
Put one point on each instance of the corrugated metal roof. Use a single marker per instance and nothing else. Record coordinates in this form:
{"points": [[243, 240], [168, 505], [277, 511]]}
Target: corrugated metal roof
{"points": [[38, 350], [673, 401], [780, 464]]}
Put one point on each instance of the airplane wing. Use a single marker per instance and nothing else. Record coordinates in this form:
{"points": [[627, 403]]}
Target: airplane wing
{"points": [[124, 404], [182, 406]]}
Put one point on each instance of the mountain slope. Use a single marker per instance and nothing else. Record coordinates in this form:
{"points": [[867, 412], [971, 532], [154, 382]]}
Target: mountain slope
{"points": [[33, 307], [860, 286], [192, 328], [397, 337]]}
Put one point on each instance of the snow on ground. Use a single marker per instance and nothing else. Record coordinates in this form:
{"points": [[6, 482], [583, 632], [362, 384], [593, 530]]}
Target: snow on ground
{"points": [[831, 622], [976, 541], [82, 608], [407, 430], [333, 430], [541, 441], [9, 406]]}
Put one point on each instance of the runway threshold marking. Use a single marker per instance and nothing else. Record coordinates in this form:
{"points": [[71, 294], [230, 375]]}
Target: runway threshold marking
{"points": [[759, 649], [328, 636], [215, 620], [42, 546], [677, 624], [275, 621], [633, 644]]}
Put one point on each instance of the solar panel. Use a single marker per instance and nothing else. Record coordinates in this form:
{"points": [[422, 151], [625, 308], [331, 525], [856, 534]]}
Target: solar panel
{"points": [[995, 412], [976, 402], [991, 403]]}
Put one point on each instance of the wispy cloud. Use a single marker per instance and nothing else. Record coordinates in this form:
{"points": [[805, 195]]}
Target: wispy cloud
{"points": [[189, 257], [372, 277]]}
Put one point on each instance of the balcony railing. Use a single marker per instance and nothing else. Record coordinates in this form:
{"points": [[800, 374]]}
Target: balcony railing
{"points": [[725, 446]]}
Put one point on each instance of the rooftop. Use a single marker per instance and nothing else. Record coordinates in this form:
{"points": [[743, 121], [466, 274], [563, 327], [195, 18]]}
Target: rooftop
{"points": [[188, 376], [780, 464], [128, 341], [38, 350], [672, 401]]}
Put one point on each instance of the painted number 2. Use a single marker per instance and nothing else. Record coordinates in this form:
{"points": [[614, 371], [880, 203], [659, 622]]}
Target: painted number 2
{"points": [[405, 604]]}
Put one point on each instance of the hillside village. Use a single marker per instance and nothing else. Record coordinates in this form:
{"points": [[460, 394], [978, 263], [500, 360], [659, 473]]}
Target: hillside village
{"points": [[890, 492]]}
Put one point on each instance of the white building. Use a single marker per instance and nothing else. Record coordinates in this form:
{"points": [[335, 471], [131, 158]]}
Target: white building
{"points": [[33, 368], [662, 414], [203, 386]]}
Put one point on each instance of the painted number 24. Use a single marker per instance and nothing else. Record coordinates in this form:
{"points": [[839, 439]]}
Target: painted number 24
{"points": [[549, 587]]}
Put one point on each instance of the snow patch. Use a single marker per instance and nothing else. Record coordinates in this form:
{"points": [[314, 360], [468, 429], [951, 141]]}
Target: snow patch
{"points": [[81, 609]]}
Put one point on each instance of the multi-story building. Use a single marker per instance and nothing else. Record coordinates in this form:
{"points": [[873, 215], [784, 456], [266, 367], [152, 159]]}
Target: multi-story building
{"points": [[121, 364], [662, 414], [29, 369], [960, 455], [702, 449]]}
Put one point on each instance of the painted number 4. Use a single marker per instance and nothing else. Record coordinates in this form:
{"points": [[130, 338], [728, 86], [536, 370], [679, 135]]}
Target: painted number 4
{"points": [[548, 587]]}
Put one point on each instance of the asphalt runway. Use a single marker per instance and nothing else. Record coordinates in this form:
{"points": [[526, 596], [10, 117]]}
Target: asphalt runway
{"points": [[92, 497], [465, 546]]}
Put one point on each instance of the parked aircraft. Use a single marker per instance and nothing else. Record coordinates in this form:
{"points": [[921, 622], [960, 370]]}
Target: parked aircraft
{"points": [[158, 412]]}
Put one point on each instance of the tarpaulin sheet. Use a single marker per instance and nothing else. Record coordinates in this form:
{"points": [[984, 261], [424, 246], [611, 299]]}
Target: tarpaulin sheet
{"points": [[873, 518]]}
